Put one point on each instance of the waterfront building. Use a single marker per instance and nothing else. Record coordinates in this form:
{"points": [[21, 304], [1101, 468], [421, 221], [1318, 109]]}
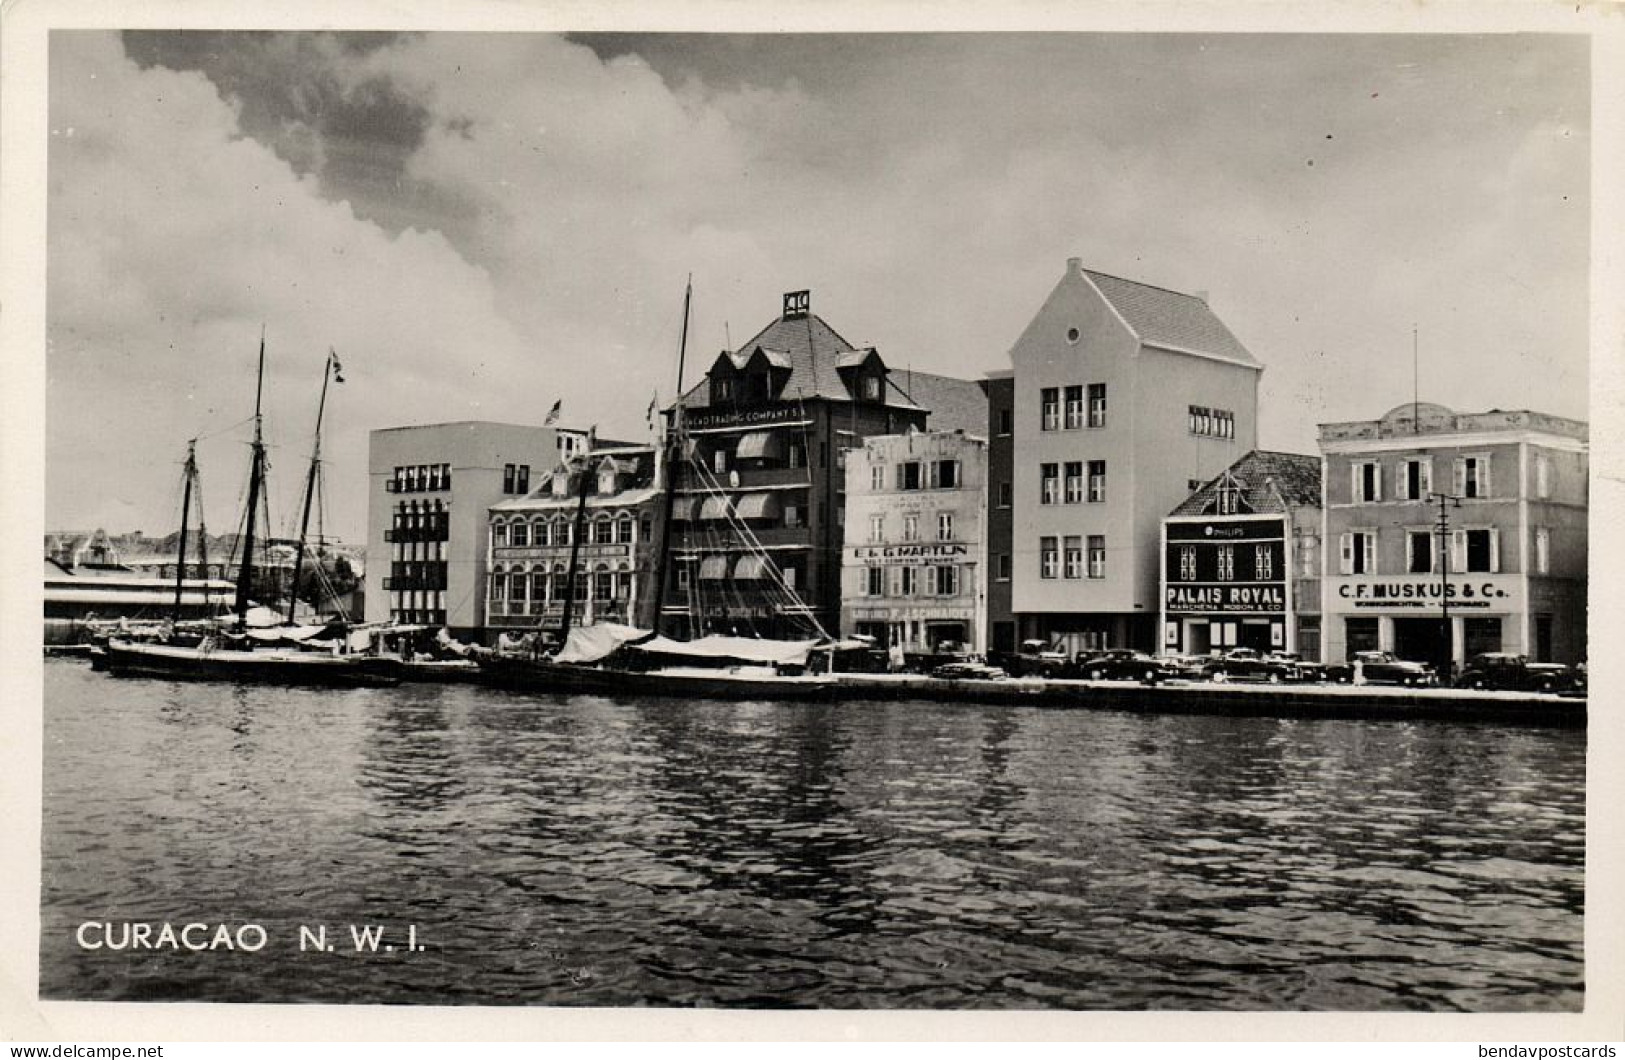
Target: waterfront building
{"points": [[999, 557], [1241, 560], [430, 491], [915, 570], [1123, 399], [612, 494], [1512, 573], [769, 428]]}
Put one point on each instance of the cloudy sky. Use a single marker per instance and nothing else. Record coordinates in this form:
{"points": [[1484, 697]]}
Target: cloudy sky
{"points": [[484, 224]]}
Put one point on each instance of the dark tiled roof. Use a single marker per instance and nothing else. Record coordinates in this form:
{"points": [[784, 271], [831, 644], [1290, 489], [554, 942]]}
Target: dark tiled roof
{"points": [[1297, 477], [1168, 318], [954, 404], [814, 352]]}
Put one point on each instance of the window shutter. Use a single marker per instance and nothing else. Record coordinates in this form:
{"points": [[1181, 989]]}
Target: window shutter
{"points": [[1484, 489], [1426, 477], [1347, 565], [1354, 484], [1458, 551], [1459, 484], [1495, 551], [1376, 481], [1370, 541]]}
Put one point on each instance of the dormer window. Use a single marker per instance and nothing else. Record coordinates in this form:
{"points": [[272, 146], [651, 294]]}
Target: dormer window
{"points": [[606, 481], [561, 483], [722, 389], [871, 388]]}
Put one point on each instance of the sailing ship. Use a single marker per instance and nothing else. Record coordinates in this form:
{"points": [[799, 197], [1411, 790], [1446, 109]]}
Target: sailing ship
{"points": [[249, 648], [616, 659]]}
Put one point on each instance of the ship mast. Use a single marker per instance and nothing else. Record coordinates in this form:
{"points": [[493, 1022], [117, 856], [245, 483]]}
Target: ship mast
{"points": [[256, 475], [190, 476], [329, 370], [674, 445]]}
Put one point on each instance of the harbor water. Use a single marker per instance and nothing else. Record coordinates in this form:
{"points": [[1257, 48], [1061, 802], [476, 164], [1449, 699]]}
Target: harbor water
{"points": [[458, 845]]}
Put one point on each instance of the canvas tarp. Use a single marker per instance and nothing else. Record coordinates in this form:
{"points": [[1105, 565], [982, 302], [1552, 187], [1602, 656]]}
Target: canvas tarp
{"points": [[588, 644], [744, 649]]}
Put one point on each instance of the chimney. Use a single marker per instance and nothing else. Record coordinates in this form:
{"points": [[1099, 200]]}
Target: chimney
{"points": [[1074, 265]]}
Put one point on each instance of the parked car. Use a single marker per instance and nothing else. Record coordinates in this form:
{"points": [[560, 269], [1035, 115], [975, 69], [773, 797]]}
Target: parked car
{"points": [[1383, 668], [1188, 667], [969, 671], [1035, 658], [1504, 670], [1246, 664], [1123, 664], [1294, 668]]}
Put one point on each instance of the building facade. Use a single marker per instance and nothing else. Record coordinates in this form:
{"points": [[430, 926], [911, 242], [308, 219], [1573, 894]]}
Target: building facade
{"points": [[610, 498], [1508, 566], [430, 490], [999, 556], [1241, 560], [915, 566], [757, 524], [1125, 399]]}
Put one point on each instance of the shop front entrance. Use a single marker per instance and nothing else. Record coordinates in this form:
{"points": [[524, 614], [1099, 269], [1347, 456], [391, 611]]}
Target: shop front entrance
{"points": [[1419, 639]]}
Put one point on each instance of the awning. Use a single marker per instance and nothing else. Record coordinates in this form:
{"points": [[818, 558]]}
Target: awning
{"points": [[750, 569], [685, 510], [761, 444], [715, 507], [713, 568], [759, 506]]}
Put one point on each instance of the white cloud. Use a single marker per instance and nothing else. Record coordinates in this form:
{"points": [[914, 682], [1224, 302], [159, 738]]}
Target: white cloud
{"points": [[173, 240]]}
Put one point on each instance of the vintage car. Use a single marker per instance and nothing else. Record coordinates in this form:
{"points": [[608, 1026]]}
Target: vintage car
{"points": [[1382, 668], [1504, 670], [1246, 664], [968, 671], [1122, 664], [1035, 658], [1293, 667]]}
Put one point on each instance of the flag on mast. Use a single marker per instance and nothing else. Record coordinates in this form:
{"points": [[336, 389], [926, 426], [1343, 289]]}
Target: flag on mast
{"points": [[338, 369], [553, 413], [654, 403]]}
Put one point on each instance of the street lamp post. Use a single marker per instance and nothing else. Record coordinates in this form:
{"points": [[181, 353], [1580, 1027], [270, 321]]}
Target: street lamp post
{"points": [[1446, 501]]}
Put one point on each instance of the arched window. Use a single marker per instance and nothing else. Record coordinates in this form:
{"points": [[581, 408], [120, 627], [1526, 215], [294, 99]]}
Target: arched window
{"points": [[603, 531], [623, 529], [544, 533], [603, 582], [519, 534]]}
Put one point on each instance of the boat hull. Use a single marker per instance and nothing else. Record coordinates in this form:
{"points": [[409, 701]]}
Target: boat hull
{"points": [[744, 683], [126, 659]]}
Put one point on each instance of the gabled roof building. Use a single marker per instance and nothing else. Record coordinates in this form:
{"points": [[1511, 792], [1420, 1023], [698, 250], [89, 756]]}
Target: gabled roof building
{"points": [[1123, 399], [756, 531], [1241, 555]]}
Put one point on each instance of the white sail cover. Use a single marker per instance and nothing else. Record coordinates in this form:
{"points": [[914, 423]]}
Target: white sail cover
{"points": [[588, 644], [744, 649]]}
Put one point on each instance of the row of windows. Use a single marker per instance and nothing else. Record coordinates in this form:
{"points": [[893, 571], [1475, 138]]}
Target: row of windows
{"points": [[906, 581], [911, 527], [419, 616], [1071, 408], [415, 478], [1212, 423], [561, 531], [1471, 551], [1076, 490], [1263, 568], [411, 523], [1064, 557], [1413, 478], [917, 475], [416, 574], [601, 583], [789, 574], [795, 455]]}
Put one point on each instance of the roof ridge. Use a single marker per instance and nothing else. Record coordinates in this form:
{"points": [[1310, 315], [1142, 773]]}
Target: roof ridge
{"points": [[1142, 283]]}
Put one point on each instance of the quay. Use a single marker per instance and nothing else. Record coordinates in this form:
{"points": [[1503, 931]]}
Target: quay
{"points": [[1362, 702]]}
